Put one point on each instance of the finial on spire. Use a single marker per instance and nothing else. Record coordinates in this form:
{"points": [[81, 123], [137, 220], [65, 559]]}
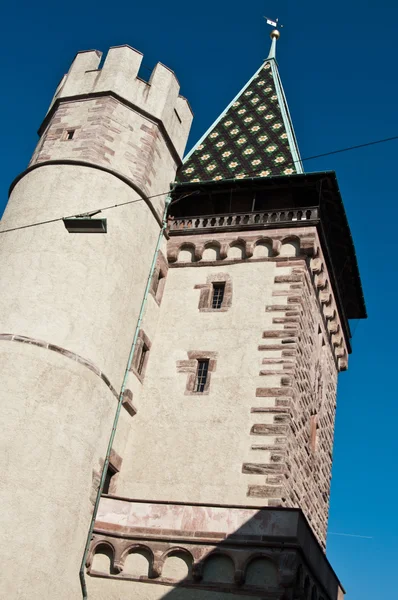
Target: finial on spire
{"points": [[275, 35]]}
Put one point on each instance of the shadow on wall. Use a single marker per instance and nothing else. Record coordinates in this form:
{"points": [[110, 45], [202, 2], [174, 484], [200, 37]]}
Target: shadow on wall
{"points": [[266, 569]]}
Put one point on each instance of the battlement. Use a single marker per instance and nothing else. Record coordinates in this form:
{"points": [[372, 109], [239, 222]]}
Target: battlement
{"points": [[158, 98]]}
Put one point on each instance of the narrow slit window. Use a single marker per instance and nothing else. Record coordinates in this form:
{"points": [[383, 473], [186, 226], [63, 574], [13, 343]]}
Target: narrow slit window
{"points": [[70, 133], [143, 356], [201, 375], [110, 473], [157, 283], [218, 295]]}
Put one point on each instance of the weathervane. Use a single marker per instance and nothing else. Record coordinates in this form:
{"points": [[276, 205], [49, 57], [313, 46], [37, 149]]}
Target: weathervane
{"points": [[273, 23], [274, 36]]}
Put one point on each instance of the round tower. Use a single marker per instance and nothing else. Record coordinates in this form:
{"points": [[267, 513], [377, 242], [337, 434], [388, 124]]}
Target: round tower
{"points": [[69, 302]]}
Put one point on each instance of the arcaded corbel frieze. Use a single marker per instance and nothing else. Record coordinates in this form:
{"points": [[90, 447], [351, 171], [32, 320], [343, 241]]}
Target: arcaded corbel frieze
{"points": [[326, 298]]}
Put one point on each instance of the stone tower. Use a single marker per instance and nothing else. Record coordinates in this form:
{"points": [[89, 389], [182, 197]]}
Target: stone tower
{"points": [[235, 319], [70, 303]]}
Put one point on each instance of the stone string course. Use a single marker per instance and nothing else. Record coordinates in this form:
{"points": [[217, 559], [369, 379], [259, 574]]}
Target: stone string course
{"points": [[127, 402]]}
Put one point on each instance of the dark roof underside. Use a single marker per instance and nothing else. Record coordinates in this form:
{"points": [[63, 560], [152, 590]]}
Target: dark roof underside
{"points": [[295, 191]]}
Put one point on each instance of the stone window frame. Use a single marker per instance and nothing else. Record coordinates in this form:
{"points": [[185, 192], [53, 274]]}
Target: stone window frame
{"points": [[190, 367], [158, 285], [142, 341], [64, 136], [206, 296], [115, 463]]}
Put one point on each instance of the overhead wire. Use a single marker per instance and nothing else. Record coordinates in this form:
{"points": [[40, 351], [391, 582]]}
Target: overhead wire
{"points": [[340, 150], [315, 156]]}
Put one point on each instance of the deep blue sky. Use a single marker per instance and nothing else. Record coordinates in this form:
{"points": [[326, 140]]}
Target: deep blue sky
{"points": [[338, 65]]}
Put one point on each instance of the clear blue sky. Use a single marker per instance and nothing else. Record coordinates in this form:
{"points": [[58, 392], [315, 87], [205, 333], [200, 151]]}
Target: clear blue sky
{"points": [[338, 65]]}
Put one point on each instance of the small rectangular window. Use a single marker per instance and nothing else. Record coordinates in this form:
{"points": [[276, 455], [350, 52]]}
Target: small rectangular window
{"points": [[218, 295], [201, 375], [143, 356], [111, 471], [178, 116], [70, 133], [157, 287]]}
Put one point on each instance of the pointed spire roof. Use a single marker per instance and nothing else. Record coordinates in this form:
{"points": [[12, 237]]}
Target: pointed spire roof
{"points": [[253, 137]]}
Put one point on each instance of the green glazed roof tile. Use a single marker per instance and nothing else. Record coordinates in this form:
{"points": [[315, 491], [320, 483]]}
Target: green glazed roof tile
{"points": [[254, 137]]}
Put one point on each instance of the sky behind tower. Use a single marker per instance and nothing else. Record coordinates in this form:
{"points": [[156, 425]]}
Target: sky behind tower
{"points": [[338, 67]]}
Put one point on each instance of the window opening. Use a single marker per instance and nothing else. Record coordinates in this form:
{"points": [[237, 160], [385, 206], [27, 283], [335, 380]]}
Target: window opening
{"points": [[70, 133], [141, 363], [111, 471], [157, 282], [178, 116], [201, 375], [218, 294]]}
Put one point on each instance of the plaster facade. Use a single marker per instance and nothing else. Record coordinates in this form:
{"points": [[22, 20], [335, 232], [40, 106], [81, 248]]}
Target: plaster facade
{"points": [[70, 303], [263, 428]]}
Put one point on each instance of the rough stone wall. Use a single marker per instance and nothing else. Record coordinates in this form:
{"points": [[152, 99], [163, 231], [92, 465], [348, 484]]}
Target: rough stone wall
{"points": [[299, 438]]}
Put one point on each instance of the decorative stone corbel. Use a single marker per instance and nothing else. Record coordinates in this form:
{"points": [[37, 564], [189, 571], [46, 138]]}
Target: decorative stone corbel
{"points": [[156, 568], [224, 250], [329, 313], [333, 326], [316, 266], [172, 255], [325, 297], [239, 577], [276, 247], [198, 251], [321, 281], [249, 249], [197, 571]]}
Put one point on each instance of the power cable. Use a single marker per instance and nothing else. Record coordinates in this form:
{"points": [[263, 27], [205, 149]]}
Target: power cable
{"points": [[348, 148], [73, 216]]}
